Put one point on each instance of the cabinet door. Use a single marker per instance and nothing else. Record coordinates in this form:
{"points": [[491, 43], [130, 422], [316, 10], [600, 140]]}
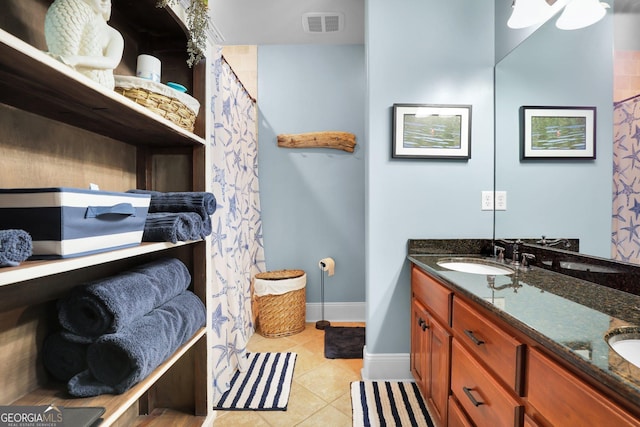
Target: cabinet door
{"points": [[440, 363], [419, 344], [565, 400]]}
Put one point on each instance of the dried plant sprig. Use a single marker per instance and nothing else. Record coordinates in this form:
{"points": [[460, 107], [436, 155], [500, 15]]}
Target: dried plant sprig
{"points": [[198, 23]]}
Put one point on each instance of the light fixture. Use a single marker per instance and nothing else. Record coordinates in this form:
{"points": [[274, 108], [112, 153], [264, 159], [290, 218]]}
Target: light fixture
{"points": [[527, 13], [581, 13]]}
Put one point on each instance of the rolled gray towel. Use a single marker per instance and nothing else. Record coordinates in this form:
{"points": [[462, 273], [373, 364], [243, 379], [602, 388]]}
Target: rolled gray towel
{"points": [[201, 202], [15, 247], [119, 361], [172, 227], [207, 227], [106, 305], [63, 357]]}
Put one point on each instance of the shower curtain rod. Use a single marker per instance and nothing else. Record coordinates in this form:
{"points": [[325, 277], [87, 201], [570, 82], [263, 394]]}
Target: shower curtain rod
{"points": [[238, 79], [625, 100]]}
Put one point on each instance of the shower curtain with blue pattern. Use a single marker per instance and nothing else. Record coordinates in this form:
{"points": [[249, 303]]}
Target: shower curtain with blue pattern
{"points": [[236, 242], [625, 235]]}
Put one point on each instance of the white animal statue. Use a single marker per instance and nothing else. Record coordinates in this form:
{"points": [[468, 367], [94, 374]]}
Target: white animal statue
{"points": [[76, 32]]}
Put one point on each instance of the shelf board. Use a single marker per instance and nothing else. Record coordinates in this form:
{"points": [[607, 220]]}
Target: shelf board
{"points": [[35, 269], [115, 405], [161, 417], [60, 93]]}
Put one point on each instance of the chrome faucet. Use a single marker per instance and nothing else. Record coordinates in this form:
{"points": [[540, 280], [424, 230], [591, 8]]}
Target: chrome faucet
{"points": [[554, 242], [515, 253], [514, 250], [498, 252], [526, 258]]}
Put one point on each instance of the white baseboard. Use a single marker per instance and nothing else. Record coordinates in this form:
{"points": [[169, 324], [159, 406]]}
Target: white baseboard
{"points": [[337, 311], [387, 366]]}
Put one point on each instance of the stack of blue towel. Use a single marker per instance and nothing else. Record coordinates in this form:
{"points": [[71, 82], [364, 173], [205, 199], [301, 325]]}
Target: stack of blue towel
{"points": [[178, 216], [117, 330]]}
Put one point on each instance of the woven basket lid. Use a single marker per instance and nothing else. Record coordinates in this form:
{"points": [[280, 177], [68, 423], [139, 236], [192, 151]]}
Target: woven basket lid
{"points": [[279, 274]]}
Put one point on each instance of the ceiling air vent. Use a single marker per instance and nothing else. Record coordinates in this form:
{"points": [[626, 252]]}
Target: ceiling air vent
{"points": [[323, 22]]}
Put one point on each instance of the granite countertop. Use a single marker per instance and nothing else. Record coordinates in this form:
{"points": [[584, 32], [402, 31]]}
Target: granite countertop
{"points": [[567, 315]]}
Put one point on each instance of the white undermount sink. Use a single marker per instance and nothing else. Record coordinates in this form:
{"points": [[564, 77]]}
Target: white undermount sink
{"points": [[625, 342], [475, 266]]}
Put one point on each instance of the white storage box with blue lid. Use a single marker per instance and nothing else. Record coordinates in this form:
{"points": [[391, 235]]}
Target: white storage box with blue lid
{"points": [[69, 222]]}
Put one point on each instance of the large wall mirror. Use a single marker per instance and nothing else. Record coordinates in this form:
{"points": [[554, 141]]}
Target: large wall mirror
{"points": [[556, 197]]}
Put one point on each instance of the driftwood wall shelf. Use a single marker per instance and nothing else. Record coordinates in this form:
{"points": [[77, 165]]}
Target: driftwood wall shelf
{"points": [[339, 140]]}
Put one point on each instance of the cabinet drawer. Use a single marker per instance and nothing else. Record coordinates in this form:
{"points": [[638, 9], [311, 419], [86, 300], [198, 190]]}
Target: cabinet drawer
{"points": [[565, 400], [494, 347], [528, 422], [483, 399], [435, 296], [457, 417]]}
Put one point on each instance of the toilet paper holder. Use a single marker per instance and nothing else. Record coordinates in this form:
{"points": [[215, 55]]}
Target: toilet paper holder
{"points": [[323, 264]]}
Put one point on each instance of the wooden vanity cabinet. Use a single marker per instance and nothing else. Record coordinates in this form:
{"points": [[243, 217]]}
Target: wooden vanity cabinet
{"points": [[431, 342], [60, 129], [497, 375]]}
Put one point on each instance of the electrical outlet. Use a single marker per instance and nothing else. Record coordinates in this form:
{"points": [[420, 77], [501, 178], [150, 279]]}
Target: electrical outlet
{"points": [[487, 201], [501, 200]]}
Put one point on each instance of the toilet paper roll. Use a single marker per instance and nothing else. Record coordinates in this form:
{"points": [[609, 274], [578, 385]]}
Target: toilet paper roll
{"points": [[328, 265], [148, 67]]}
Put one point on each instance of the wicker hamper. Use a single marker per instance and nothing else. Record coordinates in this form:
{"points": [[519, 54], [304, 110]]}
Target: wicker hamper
{"points": [[283, 314]]}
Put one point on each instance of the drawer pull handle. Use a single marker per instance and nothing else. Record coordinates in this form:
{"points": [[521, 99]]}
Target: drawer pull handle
{"points": [[473, 338], [423, 324], [473, 400]]}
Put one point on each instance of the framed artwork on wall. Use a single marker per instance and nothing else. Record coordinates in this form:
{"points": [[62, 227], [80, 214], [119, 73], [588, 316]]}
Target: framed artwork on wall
{"points": [[426, 131], [557, 132]]}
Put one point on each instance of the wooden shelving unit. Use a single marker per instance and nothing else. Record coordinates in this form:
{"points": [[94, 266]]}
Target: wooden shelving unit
{"points": [[117, 405], [61, 94], [69, 129]]}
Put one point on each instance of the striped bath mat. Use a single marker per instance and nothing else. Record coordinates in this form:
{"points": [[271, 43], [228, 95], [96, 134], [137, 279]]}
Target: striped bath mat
{"points": [[384, 403], [265, 386]]}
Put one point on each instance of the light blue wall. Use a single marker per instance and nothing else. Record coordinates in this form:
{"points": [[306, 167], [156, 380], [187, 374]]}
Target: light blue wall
{"points": [[433, 53], [416, 52], [313, 199]]}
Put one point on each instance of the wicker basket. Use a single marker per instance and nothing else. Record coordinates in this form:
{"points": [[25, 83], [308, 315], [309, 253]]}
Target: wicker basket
{"points": [[281, 315], [159, 99]]}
